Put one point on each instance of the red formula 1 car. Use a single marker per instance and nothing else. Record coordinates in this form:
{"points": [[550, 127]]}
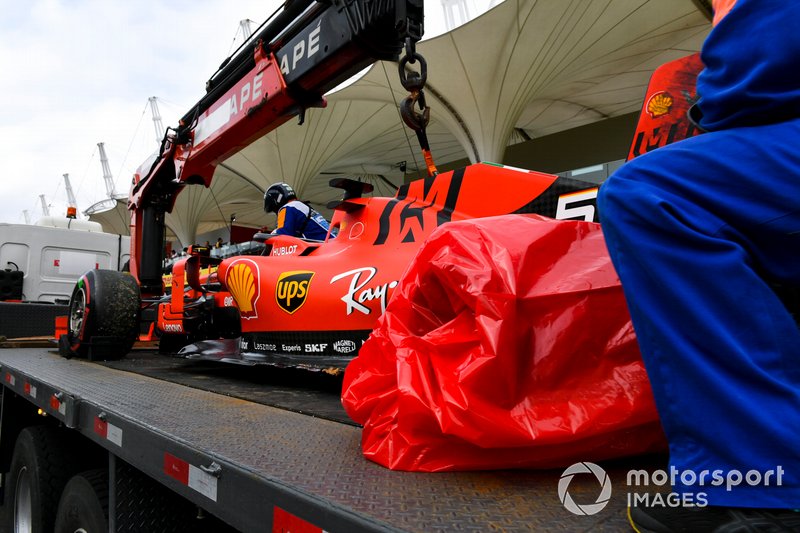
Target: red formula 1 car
{"points": [[307, 303], [316, 303]]}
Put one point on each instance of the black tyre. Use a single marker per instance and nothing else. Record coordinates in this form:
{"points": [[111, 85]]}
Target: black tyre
{"points": [[42, 463], [83, 506], [103, 315]]}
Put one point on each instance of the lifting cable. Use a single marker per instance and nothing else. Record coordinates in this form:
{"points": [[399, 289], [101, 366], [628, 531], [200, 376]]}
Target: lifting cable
{"points": [[397, 106]]}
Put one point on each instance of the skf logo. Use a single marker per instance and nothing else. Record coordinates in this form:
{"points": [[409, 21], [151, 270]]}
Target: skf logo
{"points": [[242, 281], [659, 104], [292, 289]]}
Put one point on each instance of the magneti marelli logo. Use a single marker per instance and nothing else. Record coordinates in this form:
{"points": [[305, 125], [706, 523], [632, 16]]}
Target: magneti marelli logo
{"points": [[602, 499]]}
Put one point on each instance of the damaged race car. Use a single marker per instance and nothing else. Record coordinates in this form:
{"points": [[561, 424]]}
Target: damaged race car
{"points": [[309, 303], [315, 303]]}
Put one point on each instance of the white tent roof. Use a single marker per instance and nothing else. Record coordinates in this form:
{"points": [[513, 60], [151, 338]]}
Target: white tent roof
{"points": [[539, 66], [197, 209]]}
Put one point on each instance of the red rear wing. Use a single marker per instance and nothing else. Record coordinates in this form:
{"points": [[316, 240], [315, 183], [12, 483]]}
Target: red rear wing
{"points": [[670, 94]]}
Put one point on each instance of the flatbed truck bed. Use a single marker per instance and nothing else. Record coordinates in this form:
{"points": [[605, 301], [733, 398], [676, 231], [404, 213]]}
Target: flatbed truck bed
{"points": [[262, 456]]}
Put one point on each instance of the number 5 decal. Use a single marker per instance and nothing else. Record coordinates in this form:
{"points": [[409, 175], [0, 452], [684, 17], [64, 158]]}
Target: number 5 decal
{"points": [[567, 210]]}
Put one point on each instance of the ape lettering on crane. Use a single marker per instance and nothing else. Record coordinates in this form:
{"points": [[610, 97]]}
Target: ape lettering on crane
{"points": [[305, 48], [249, 91]]}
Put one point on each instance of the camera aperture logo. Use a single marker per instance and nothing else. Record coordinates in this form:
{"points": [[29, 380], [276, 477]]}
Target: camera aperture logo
{"points": [[687, 486], [587, 509]]}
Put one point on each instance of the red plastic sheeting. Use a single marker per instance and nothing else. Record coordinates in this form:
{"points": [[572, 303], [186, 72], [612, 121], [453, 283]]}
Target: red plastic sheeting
{"points": [[506, 345]]}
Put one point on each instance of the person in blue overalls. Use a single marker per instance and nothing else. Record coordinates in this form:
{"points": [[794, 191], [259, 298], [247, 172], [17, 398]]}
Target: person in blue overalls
{"points": [[700, 231], [295, 218]]}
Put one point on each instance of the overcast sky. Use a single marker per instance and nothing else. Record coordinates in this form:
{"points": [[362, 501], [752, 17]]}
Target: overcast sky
{"points": [[77, 72]]}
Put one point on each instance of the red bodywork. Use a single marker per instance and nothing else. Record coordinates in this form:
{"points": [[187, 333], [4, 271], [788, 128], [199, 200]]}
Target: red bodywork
{"points": [[316, 303], [664, 117]]}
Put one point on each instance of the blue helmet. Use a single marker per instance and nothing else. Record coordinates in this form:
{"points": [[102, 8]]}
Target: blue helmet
{"points": [[278, 195]]}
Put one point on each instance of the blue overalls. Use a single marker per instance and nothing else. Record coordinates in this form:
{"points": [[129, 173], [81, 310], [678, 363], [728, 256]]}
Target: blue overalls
{"points": [[299, 220], [698, 232]]}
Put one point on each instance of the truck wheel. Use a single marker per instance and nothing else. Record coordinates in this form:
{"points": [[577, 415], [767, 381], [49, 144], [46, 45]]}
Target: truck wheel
{"points": [[103, 315], [40, 467], [84, 504]]}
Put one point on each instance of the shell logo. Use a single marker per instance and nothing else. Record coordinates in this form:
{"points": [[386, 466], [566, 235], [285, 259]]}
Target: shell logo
{"points": [[242, 281], [659, 104]]}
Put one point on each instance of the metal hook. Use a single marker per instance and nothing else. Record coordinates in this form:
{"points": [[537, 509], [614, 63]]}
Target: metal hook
{"points": [[413, 119], [410, 80]]}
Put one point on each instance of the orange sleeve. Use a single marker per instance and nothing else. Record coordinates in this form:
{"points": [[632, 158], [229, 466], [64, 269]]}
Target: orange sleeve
{"points": [[721, 8]]}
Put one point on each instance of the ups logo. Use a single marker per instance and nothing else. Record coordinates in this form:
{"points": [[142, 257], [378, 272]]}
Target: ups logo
{"points": [[292, 289]]}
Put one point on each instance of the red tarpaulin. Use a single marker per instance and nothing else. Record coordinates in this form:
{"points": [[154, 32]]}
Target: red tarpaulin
{"points": [[506, 345]]}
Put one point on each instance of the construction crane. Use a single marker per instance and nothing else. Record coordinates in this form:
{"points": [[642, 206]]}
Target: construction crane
{"points": [[157, 124], [72, 203], [70, 194], [109, 179], [247, 30], [45, 208]]}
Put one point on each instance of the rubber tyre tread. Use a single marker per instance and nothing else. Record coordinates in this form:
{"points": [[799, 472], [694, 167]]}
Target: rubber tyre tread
{"points": [[84, 503], [113, 311], [50, 457]]}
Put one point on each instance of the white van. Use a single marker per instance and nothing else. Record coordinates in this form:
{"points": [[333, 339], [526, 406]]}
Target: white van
{"points": [[53, 254]]}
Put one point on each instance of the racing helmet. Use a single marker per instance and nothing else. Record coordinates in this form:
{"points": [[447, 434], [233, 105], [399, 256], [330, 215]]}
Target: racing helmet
{"points": [[278, 195]]}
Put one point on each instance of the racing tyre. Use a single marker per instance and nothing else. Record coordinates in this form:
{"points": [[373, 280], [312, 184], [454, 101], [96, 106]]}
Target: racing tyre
{"points": [[42, 463], [84, 504], [103, 316]]}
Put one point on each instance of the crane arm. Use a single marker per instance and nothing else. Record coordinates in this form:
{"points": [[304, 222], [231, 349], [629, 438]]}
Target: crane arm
{"points": [[306, 50]]}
